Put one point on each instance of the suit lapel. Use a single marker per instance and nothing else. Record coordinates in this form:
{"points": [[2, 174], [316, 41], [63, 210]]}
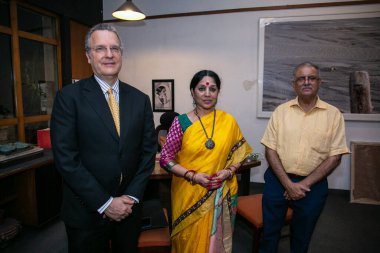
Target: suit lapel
{"points": [[93, 93], [126, 110]]}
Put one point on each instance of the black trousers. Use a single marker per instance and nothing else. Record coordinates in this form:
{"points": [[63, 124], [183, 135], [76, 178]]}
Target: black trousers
{"points": [[116, 237]]}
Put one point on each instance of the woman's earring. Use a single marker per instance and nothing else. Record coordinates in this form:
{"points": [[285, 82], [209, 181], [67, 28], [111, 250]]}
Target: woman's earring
{"points": [[194, 104]]}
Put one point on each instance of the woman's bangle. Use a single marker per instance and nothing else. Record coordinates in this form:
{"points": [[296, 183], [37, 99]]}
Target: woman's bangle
{"points": [[184, 175], [192, 179], [231, 173], [236, 169]]}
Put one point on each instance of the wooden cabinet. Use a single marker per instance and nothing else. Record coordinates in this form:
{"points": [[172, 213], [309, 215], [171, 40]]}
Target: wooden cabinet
{"points": [[31, 191], [80, 68]]}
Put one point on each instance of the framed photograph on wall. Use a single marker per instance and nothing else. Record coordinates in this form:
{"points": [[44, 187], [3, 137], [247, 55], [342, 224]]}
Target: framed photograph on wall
{"points": [[342, 45], [163, 95]]}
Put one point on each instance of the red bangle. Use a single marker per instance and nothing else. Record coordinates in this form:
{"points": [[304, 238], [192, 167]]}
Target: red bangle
{"points": [[231, 173], [236, 168], [184, 176], [192, 179]]}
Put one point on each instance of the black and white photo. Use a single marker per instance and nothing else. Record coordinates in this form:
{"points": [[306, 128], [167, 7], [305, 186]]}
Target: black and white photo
{"points": [[163, 95]]}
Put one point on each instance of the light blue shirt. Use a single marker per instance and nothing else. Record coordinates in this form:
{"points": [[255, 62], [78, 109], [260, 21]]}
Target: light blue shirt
{"points": [[105, 87]]}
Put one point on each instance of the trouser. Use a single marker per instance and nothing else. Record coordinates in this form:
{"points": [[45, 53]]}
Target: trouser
{"points": [[306, 212], [123, 236]]}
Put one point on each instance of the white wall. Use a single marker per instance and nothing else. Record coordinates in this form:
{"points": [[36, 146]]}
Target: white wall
{"points": [[176, 48]]}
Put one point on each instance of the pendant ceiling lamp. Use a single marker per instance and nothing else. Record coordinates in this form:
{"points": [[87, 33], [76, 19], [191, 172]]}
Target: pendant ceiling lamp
{"points": [[128, 11]]}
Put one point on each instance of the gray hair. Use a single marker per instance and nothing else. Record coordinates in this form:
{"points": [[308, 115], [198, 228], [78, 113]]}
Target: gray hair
{"points": [[305, 64], [101, 27]]}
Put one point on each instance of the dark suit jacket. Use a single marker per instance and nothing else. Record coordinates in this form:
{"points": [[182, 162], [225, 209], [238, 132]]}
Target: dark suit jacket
{"points": [[91, 156]]}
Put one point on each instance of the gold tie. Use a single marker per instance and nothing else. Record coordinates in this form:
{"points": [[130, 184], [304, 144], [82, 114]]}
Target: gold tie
{"points": [[114, 110]]}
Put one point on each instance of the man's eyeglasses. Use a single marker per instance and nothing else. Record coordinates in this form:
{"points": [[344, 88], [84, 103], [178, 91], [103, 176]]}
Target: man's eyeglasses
{"points": [[103, 49], [302, 79]]}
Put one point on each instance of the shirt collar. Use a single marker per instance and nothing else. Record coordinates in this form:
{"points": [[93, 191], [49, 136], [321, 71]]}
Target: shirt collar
{"points": [[105, 86], [319, 104]]}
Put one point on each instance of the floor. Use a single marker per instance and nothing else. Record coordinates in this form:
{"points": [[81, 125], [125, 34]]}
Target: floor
{"points": [[343, 228]]}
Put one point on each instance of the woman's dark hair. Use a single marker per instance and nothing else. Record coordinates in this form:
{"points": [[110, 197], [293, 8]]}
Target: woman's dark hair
{"points": [[199, 76]]}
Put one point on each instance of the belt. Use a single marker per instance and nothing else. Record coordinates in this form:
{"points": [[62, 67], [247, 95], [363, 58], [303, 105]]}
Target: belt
{"points": [[295, 175]]}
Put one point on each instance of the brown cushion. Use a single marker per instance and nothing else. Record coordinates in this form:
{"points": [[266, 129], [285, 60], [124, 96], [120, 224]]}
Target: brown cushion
{"points": [[157, 237], [250, 207]]}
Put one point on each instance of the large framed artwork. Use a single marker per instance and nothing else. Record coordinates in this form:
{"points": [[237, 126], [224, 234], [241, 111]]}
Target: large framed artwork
{"points": [[346, 47], [163, 95]]}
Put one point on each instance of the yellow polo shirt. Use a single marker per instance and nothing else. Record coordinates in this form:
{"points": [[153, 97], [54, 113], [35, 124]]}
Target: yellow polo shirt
{"points": [[304, 140]]}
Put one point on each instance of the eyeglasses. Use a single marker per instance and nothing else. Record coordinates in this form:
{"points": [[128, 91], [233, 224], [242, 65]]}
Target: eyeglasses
{"points": [[103, 49], [302, 79]]}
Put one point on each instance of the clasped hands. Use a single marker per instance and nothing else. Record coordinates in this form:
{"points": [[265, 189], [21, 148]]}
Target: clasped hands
{"points": [[119, 209], [211, 182], [296, 190]]}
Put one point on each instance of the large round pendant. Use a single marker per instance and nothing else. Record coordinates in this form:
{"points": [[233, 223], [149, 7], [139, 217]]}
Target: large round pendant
{"points": [[210, 144]]}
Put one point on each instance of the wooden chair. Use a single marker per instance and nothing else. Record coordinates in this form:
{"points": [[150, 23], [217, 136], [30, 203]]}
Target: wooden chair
{"points": [[250, 208], [155, 240]]}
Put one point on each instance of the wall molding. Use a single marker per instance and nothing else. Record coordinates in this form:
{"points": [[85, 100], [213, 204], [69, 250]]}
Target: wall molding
{"points": [[253, 9]]}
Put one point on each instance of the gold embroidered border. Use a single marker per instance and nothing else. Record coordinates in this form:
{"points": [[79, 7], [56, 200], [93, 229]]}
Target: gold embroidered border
{"points": [[192, 209], [235, 147]]}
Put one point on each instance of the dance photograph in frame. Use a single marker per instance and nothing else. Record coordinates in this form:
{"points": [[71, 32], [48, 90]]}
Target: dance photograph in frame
{"points": [[163, 95]]}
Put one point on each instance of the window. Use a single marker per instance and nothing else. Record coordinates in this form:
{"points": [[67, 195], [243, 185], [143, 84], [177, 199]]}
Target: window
{"points": [[29, 70], [4, 13]]}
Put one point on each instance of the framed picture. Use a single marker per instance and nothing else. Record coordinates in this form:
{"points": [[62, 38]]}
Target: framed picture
{"points": [[342, 45], [365, 173], [163, 95]]}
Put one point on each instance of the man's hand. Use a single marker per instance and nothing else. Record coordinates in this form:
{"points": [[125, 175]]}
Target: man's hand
{"points": [[296, 191], [120, 208]]}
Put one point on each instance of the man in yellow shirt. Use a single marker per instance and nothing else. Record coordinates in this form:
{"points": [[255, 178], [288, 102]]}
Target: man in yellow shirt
{"points": [[304, 142]]}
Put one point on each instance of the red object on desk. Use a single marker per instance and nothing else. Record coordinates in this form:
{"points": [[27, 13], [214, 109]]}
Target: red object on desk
{"points": [[43, 138]]}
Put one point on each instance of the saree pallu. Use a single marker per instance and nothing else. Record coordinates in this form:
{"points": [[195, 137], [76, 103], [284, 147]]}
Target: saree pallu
{"points": [[203, 220]]}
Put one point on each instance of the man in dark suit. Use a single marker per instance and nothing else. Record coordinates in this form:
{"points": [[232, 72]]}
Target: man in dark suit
{"points": [[105, 154]]}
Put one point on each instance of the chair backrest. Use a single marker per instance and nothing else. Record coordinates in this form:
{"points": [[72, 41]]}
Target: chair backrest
{"points": [[166, 121]]}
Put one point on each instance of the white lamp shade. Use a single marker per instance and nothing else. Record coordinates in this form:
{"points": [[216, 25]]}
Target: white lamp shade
{"points": [[128, 11]]}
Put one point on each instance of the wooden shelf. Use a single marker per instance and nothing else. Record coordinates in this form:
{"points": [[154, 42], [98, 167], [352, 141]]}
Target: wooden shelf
{"points": [[8, 199], [32, 190]]}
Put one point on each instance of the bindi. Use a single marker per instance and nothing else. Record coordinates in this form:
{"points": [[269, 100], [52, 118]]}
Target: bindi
{"points": [[207, 83]]}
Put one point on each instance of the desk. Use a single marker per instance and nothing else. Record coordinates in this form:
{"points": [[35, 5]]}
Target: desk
{"points": [[31, 191], [159, 173], [245, 172]]}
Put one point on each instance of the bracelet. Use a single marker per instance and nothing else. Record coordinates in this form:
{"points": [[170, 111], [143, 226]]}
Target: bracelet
{"points": [[192, 179], [236, 168], [171, 164], [184, 175], [231, 173]]}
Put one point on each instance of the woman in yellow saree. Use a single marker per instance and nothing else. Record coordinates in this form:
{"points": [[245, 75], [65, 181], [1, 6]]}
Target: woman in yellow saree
{"points": [[204, 149]]}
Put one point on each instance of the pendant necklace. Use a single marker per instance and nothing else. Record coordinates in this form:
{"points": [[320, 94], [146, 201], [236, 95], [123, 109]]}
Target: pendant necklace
{"points": [[210, 144]]}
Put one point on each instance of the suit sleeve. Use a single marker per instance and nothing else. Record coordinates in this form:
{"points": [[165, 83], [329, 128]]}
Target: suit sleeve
{"points": [[67, 156], [147, 154]]}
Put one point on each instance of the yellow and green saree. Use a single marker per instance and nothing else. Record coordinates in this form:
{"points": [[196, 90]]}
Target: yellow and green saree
{"points": [[202, 220]]}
